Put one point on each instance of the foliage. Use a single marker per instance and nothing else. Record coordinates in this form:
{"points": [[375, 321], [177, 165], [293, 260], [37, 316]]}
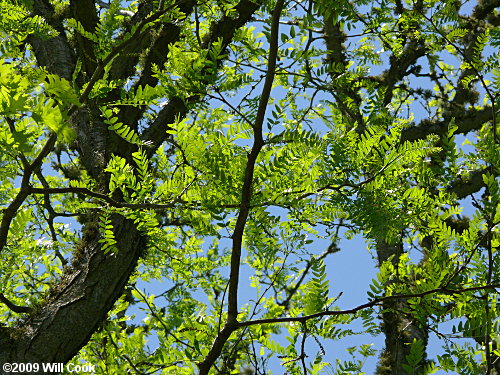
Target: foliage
{"points": [[177, 176]]}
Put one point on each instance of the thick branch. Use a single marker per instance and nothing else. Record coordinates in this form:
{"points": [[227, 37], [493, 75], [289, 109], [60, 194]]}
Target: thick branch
{"points": [[12, 306], [55, 53], [485, 8], [156, 56], [334, 39], [472, 119], [84, 12], [224, 29], [470, 184], [399, 67]]}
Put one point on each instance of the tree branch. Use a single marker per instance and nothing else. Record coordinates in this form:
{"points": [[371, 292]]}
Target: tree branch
{"points": [[16, 308], [104, 197], [10, 212], [468, 185], [246, 196], [54, 53], [85, 13], [472, 119], [177, 108], [375, 302]]}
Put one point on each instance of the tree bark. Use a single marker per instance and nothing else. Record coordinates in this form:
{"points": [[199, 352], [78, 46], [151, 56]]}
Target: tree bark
{"points": [[76, 307], [399, 328]]}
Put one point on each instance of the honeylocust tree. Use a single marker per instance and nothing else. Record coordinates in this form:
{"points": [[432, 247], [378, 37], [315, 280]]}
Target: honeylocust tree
{"points": [[172, 170]]}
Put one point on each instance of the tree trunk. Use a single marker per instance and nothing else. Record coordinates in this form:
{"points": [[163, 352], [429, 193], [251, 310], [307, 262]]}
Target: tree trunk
{"points": [[58, 328], [399, 328]]}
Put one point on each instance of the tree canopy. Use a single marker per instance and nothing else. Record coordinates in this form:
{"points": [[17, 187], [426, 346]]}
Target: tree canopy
{"points": [[211, 146]]}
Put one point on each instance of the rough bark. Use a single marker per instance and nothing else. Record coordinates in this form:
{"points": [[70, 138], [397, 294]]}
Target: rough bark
{"points": [[399, 328], [58, 328]]}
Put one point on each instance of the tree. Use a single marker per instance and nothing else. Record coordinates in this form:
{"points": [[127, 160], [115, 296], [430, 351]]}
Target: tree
{"points": [[189, 141]]}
